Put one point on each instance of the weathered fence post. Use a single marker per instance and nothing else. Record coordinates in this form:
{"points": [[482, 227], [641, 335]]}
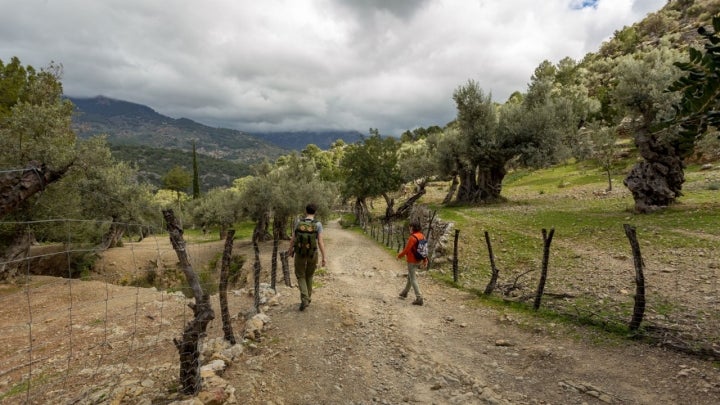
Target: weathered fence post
{"points": [[189, 345], [273, 260], [256, 273], [432, 244], [639, 308], [547, 239], [455, 257], [285, 268], [495, 272], [224, 270]]}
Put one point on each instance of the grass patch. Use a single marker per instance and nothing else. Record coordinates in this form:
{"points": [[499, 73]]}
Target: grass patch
{"points": [[15, 390], [590, 255]]}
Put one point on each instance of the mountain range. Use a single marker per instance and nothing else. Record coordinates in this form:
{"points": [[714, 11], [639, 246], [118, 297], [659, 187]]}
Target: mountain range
{"points": [[155, 142]]}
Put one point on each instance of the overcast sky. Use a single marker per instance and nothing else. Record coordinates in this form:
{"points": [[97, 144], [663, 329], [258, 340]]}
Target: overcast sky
{"points": [[305, 64]]}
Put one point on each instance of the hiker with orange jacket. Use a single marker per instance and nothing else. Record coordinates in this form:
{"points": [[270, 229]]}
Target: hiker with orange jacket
{"points": [[413, 262]]}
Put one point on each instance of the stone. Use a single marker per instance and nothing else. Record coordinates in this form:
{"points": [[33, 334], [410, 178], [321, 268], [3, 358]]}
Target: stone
{"points": [[214, 396], [216, 366], [233, 352]]}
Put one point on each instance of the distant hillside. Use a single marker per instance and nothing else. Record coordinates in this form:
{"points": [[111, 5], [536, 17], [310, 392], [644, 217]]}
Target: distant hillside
{"points": [[153, 163], [676, 23], [300, 139], [155, 143], [128, 123]]}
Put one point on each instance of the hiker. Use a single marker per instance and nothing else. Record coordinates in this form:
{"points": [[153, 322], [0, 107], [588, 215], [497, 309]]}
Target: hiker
{"points": [[304, 243], [415, 260]]}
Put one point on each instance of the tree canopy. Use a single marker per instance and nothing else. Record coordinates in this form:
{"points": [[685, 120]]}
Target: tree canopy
{"points": [[370, 169], [699, 107]]}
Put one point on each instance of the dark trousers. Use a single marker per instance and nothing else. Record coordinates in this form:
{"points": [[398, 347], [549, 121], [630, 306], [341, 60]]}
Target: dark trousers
{"points": [[304, 271]]}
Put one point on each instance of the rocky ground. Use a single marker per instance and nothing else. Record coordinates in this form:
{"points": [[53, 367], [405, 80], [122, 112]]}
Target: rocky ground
{"points": [[357, 343]]}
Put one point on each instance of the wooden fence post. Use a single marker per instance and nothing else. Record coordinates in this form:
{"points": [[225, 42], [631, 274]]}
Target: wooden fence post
{"points": [[256, 274], [495, 272], [639, 308], [273, 260], [455, 257], [547, 239], [224, 270], [431, 242], [189, 346], [285, 268]]}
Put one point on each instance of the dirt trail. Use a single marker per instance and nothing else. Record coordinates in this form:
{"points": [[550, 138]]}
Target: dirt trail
{"points": [[359, 343]]}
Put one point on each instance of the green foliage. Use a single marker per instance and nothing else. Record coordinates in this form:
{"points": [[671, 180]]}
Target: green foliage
{"points": [[218, 207], [152, 163], [177, 179], [327, 163], [196, 173], [419, 133], [36, 125], [370, 167], [477, 122], [641, 80], [415, 160], [699, 107]]}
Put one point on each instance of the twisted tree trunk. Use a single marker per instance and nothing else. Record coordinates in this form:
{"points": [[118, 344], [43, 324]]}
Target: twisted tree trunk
{"points": [[12, 256], [189, 345], [16, 187], [657, 181], [224, 271]]}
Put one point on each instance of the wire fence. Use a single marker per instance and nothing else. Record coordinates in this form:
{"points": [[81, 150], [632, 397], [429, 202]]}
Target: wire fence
{"points": [[99, 334], [681, 300]]}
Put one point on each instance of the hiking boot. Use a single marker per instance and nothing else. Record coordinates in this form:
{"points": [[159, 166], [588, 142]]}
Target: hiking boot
{"points": [[403, 295], [418, 301], [303, 305]]}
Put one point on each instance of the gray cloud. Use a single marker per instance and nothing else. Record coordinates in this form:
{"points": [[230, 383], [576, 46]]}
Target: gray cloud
{"points": [[304, 64]]}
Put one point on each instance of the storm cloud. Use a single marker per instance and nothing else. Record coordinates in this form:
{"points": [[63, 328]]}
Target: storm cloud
{"points": [[305, 64]]}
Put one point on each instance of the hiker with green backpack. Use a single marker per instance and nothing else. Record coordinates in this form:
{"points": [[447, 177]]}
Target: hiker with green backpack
{"points": [[304, 244]]}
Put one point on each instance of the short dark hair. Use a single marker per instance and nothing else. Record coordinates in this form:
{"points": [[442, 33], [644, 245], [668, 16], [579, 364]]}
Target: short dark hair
{"points": [[415, 225], [311, 208]]}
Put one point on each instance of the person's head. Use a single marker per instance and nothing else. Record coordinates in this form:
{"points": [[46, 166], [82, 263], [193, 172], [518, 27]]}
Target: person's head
{"points": [[311, 209], [415, 226]]}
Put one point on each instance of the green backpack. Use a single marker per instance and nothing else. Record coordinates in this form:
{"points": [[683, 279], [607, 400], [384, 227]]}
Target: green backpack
{"points": [[306, 233]]}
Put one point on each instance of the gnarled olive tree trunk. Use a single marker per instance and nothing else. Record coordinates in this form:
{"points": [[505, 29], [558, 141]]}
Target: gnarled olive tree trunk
{"points": [[16, 187], [481, 184], [656, 181], [11, 255]]}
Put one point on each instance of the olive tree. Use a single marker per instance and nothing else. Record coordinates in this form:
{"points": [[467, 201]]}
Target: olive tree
{"points": [[35, 134], [218, 207], [277, 191], [178, 180], [35, 129], [642, 79], [370, 170], [481, 167]]}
